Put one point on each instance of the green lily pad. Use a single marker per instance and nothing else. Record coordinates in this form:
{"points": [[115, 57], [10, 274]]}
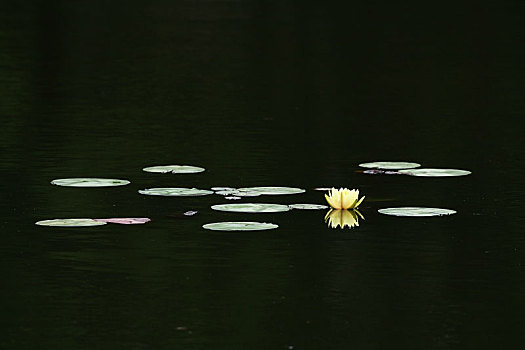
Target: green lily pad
{"points": [[272, 190], [390, 165], [429, 172], [416, 211], [89, 182], [174, 169], [70, 223], [308, 206], [240, 226], [175, 192], [251, 207]]}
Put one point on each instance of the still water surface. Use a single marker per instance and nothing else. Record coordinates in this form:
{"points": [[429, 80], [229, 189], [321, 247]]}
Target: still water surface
{"points": [[261, 93]]}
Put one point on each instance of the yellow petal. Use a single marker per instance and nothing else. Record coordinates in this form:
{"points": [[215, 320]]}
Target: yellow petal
{"points": [[359, 202], [348, 199], [331, 201]]}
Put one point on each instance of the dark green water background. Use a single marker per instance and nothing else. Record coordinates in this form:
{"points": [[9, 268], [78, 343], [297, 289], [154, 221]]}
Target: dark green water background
{"points": [[262, 93]]}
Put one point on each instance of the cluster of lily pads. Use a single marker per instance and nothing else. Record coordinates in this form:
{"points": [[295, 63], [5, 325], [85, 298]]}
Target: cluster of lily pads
{"points": [[412, 169], [339, 200]]}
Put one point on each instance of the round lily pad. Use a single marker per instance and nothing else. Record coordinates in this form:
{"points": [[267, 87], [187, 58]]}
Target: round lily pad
{"points": [[390, 165], [89, 182], [272, 190], [70, 223], [124, 221], [239, 226], [429, 172], [308, 206], [223, 189], [251, 207], [416, 211], [175, 192], [174, 169]]}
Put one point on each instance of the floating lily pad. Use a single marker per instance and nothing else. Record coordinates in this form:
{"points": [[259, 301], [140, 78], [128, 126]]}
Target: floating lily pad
{"points": [[70, 223], [416, 211], [89, 182], [175, 192], [174, 169], [223, 189], [381, 172], [429, 172], [238, 193], [272, 190], [240, 226], [124, 221], [251, 207], [308, 206], [390, 165]]}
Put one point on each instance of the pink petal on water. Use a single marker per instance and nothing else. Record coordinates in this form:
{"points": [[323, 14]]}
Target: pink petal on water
{"points": [[124, 221]]}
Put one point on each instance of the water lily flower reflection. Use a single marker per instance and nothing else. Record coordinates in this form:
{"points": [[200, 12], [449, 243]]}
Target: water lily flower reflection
{"points": [[342, 218], [343, 198]]}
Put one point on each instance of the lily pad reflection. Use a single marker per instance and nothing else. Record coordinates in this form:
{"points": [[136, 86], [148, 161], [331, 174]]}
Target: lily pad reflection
{"points": [[70, 223], [240, 226], [89, 182], [430, 172], [251, 207], [416, 211], [174, 169], [175, 192], [272, 190], [390, 165]]}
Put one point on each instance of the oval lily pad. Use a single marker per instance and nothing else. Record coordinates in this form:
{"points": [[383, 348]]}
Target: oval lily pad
{"points": [[70, 222], [429, 172], [174, 169], [251, 207], [175, 192], [390, 165], [416, 211], [272, 190], [124, 221], [308, 206], [239, 226], [89, 182]]}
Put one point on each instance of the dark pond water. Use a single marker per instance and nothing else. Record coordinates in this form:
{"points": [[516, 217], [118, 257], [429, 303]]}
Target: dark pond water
{"points": [[262, 93]]}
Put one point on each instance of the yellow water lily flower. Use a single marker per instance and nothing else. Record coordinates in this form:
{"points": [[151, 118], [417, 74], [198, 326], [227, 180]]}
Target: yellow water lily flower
{"points": [[343, 198], [342, 218]]}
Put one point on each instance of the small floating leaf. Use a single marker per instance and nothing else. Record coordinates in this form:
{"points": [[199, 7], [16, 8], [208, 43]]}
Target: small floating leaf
{"points": [[89, 182], [70, 222], [175, 192], [190, 212], [416, 211], [174, 169], [251, 207], [429, 172], [308, 206], [124, 221], [272, 190], [381, 172], [390, 165], [240, 226], [232, 198]]}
